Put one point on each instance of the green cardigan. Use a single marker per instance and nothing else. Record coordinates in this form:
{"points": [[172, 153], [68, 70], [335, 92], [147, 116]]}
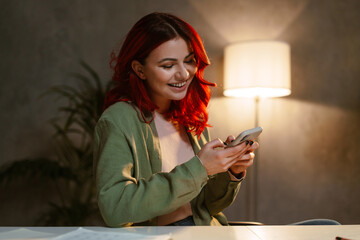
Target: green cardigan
{"points": [[132, 190]]}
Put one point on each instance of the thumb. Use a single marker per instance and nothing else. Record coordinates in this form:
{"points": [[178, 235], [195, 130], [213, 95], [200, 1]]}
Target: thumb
{"points": [[215, 143], [230, 139]]}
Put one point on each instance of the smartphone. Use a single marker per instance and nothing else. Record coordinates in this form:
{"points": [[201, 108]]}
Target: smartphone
{"points": [[249, 134]]}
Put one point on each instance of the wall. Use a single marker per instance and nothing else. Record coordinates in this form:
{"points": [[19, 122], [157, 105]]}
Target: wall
{"points": [[309, 158]]}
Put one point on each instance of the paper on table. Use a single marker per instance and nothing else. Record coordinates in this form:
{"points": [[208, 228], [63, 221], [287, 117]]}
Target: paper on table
{"points": [[21, 232], [85, 234]]}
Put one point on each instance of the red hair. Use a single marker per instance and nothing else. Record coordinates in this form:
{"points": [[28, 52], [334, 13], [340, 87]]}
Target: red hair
{"points": [[146, 35]]}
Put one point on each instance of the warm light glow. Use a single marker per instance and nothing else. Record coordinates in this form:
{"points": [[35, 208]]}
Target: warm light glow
{"points": [[257, 69]]}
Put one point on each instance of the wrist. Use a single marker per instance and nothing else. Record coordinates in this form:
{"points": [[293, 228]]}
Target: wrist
{"points": [[210, 175], [240, 175]]}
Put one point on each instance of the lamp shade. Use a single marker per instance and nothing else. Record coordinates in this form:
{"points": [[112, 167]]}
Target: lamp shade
{"points": [[257, 69]]}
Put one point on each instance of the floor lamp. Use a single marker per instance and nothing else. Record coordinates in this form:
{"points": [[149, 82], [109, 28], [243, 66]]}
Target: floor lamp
{"points": [[257, 69]]}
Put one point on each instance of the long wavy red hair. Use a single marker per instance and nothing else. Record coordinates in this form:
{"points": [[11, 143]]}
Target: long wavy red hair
{"points": [[148, 33]]}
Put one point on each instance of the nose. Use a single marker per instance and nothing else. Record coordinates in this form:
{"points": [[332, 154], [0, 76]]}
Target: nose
{"points": [[182, 73]]}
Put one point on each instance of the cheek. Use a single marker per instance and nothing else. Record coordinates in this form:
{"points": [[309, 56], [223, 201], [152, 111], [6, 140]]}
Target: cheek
{"points": [[159, 76], [193, 70]]}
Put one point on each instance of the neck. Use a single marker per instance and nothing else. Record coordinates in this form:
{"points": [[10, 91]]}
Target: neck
{"points": [[163, 106]]}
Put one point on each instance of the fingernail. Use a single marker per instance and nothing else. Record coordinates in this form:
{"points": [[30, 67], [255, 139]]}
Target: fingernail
{"points": [[251, 143]]}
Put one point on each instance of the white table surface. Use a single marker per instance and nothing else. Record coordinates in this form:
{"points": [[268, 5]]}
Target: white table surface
{"points": [[199, 232]]}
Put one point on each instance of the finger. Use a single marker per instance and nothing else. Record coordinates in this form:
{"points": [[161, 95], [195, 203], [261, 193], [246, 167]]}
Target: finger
{"points": [[229, 161], [245, 160], [247, 156], [239, 168], [253, 146], [236, 150], [215, 143], [230, 139], [243, 163], [241, 158], [233, 154], [231, 164]]}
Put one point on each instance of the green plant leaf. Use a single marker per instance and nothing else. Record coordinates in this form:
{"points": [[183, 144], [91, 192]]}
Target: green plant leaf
{"points": [[71, 168], [38, 167]]}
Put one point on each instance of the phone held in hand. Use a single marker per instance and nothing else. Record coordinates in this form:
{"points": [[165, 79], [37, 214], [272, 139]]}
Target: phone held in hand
{"points": [[249, 134]]}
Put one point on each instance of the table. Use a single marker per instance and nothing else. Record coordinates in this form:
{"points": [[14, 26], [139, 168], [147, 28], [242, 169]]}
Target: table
{"points": [[199, 232]]}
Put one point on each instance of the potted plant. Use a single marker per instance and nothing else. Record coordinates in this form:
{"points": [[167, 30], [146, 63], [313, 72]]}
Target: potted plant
{"points": [[71, 169]]}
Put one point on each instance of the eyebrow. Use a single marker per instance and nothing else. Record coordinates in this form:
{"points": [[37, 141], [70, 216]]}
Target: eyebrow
{"points": [[174, 59]]}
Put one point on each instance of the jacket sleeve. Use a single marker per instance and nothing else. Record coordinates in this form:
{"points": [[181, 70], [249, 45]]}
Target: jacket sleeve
{"points": [[124, 199], [220, 192]]}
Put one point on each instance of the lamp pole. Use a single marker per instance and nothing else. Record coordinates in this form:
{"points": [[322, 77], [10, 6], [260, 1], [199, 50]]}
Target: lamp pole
{"points": [[252, 184], [256, 164]]}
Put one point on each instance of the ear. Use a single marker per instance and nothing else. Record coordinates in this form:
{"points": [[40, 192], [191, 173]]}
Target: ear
{"points": [[138, 69]]}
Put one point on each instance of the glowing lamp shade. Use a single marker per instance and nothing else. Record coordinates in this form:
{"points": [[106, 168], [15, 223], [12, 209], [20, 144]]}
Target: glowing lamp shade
{"points": [[257, 69]]}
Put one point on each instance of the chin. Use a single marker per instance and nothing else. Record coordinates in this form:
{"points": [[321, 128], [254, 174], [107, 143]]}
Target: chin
{"points": [[178, 98]]}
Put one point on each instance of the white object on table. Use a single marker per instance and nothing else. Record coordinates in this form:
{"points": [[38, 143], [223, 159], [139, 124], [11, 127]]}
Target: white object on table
{"points": [[85, 234]]}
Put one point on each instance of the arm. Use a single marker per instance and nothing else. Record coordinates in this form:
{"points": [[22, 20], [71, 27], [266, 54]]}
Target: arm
{"points": [[220, 192], [223, 188], [124, 198]]}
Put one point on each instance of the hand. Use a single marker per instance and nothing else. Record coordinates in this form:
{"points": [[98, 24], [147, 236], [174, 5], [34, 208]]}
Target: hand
{"points": [[217, 160], [246, 160]]}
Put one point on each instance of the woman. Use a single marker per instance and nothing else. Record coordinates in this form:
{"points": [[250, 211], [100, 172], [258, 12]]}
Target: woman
{"points": [[154, 161]]}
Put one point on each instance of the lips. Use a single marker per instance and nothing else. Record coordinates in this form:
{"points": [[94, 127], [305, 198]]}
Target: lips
{"points": [[177, 85]]}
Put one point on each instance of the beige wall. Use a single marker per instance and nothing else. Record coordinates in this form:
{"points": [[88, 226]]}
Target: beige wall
{"points": [[309, 161]]}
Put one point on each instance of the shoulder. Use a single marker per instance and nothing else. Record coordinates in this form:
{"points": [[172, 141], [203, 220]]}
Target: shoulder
{"points": [[121, 115], [120, 109]]}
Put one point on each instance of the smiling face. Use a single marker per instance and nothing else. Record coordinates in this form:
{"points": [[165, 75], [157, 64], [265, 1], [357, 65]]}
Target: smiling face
{"points": [[168, 72]]}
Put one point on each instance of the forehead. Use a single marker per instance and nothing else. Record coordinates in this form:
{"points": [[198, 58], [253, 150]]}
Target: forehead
{"points": [[174, 48]]}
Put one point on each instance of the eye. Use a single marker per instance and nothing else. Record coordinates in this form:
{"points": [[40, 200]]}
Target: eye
{"points": [[190, 61], [168, 66]]}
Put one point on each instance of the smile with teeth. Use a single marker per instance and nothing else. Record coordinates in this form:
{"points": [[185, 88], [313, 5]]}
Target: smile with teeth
{"points": [[178, 85]]}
